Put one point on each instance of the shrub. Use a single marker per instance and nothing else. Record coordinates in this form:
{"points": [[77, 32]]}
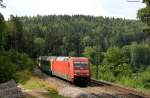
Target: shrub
{"points": [[21, 60], [7, 69], [105, 73], [122, 70], [114, 57], [144, 78], [22, 76], [94, 54], [11, 62], [129, 81]]}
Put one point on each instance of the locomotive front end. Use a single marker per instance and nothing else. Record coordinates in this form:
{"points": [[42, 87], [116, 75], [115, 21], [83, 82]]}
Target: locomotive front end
{"points": [[81, 70]]}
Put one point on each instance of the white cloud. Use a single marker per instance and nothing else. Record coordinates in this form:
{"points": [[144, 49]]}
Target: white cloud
{"points": [[117, 8], [121, 8]]}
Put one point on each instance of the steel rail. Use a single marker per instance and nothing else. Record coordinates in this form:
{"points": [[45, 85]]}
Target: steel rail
{"points": [[127, 90]]}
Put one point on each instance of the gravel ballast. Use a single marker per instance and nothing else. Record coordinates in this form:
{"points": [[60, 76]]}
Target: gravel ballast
{"points": [[73, 92]]}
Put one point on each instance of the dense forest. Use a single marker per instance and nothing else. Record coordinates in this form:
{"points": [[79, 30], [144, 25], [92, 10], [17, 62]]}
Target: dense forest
{"points": [[69, 35], [119, 49]]}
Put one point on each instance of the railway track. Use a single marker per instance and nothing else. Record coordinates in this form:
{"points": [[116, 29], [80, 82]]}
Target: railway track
{"points": [[101, 89], [131, 93]]}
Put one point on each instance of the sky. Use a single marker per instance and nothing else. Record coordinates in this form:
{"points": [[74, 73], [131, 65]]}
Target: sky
{"points": [[110, 8]]}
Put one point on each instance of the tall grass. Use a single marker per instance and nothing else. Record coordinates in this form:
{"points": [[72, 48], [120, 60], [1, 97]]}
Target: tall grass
{"points": [[139, 80]]}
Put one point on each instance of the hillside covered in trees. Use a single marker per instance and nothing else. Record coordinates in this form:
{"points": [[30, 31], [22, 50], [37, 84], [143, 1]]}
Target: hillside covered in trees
{"points": [[69, 35], [118, 49]]}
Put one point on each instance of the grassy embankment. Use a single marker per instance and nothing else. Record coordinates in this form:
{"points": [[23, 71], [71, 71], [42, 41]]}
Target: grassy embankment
{"points": [[140, 81], [31, 82]]}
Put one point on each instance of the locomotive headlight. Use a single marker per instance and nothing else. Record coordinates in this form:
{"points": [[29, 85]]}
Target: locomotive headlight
{"points": [[81, 71], [77, 71]]}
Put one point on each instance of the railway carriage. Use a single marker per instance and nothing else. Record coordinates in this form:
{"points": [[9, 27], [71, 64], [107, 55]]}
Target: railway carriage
{"points": [[44, 63], [73, 69]]}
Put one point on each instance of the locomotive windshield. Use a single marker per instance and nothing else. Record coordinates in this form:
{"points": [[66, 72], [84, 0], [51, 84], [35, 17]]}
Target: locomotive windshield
{"points": [[80, 64]]}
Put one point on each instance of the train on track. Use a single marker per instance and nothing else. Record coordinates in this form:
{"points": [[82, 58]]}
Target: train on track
{"points": [[72, 69]]}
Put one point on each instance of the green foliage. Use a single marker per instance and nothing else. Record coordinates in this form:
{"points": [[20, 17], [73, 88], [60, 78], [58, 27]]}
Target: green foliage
{"points": [[138, 80], [144, 78], [144, 13], [105, 73], [94, 54], [11, 62], [72, 53], [21, 60], [130, 82], [22, 76], [14, 34], [2, 28], [114, 57], [1, 23], [95, 57], [116, 48], [137, 54], [7, 68], [66, 34], [122, 70], [39, 45], [128, 65]]}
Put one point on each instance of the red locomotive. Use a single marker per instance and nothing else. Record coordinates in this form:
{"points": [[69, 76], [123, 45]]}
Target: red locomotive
{"points": [[73, 69]]}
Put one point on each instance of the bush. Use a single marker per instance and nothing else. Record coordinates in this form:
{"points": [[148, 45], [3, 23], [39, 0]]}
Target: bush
{"points": [[22, 76], [122, 70], [104, 72], [7, 69], [94, 54], [21, 60], [129, 81], [11, 62], [144, 78], [114, 57]]}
